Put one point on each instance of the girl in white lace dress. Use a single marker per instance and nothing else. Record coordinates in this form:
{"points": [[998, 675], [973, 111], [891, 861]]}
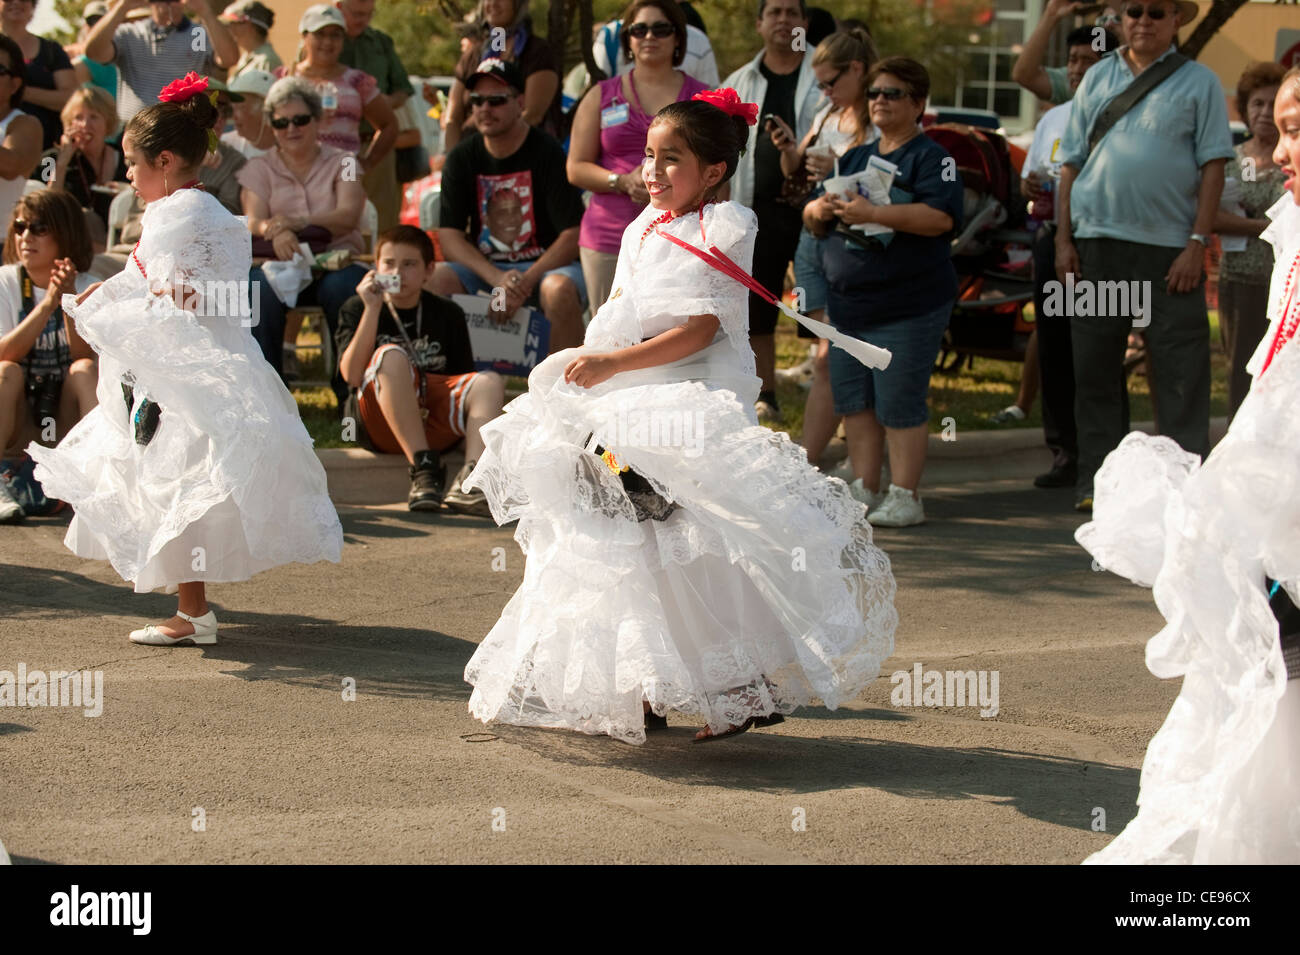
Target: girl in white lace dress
{"points": [[1221, 777], [195, 466], [679, 556]]}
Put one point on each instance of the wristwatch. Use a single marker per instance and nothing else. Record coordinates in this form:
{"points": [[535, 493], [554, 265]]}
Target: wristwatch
{"points": [[613, 182], [1203, 239]]}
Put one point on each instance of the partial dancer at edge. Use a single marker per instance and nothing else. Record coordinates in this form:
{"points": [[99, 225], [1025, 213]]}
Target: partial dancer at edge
{"points": [[1221, 778], [679, 556], [195, 466]]}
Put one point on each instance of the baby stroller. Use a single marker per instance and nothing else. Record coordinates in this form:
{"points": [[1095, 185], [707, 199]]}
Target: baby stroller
{"points": [[992, 253]]}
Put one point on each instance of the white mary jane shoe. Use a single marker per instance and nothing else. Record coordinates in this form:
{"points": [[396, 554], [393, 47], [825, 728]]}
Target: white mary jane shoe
{"points": [[205, 633]]}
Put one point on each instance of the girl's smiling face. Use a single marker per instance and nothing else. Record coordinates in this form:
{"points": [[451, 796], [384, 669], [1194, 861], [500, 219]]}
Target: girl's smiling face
{"points": [[1286, 112], [673, 175]]}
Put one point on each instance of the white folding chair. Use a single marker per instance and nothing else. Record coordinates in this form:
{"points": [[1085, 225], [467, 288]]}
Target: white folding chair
{"points": [[118, 210], [369, 227], [430, 209]]}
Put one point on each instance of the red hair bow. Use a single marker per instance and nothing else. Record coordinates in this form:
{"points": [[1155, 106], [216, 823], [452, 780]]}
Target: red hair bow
{"points": [[730, 103], [178, 91]]}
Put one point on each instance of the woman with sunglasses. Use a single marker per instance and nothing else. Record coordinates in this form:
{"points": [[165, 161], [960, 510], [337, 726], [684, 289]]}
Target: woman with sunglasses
{"points": [[49, 74], [194, 467], [47, 371], [895, 289], [300, 192], [504, 30], [20, 134], [607, 146], [840, 64]]}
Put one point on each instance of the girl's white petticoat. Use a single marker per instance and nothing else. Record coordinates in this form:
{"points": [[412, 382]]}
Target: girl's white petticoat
{"points": [[1221, 777], [761, 591], [229, 485]]}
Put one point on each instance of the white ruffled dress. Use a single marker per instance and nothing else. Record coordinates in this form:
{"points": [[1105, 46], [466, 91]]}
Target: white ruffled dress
{"points": [[1221, 778], [229, 486], [761, 590]]}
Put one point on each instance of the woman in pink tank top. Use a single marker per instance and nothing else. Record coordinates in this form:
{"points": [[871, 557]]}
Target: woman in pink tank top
{"points": [[608, 139]]}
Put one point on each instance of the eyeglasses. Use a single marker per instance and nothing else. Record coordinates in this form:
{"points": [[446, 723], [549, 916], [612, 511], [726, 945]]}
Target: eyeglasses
{"points": [[891, 94], [37, 228], [660, 28], [493, 99], [1154, 12], [282, 122], [93, 19], [825, 87]]}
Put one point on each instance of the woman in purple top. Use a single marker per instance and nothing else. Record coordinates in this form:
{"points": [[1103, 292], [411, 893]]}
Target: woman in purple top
{"points": [[609, 134]]}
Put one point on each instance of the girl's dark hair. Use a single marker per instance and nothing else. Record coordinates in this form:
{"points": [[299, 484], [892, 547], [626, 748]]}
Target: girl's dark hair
{"points": [[17, 68], [181, 128], [672, 13], [714, 136], [67, 222]]}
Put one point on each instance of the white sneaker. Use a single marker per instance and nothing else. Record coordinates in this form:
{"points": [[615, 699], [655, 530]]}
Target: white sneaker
{"points": [[204, 635], [11, 512], [899, 509], [860, 492]]}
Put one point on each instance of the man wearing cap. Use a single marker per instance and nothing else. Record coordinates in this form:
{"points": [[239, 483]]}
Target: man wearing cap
{"points": [[249, 22], [252, 135], [526, 242], [1136, 211], [88, 71], [220, 168], [372, 50], [150, 53]]}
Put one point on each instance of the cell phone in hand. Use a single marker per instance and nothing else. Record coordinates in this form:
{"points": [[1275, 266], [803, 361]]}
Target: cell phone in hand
{"points": [[388, 282], [769, 120]]}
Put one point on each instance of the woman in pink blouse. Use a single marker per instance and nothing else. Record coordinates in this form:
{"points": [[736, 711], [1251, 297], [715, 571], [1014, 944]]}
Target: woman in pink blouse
{"points": [[346, 94], [609, 134]]}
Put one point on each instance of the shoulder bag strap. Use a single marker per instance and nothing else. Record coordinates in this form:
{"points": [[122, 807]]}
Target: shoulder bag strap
{"points": [[1133, 94]]}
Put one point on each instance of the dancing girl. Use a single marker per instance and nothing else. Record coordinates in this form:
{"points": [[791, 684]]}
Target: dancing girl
{"points": [[194, 468], [679, 557]]}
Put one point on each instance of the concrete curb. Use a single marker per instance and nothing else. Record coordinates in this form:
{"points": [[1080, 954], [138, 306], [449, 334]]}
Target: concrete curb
{"points": [[359, 477]]}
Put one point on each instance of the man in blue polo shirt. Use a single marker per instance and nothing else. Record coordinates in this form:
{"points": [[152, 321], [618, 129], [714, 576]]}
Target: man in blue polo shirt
{"points": [[1139, 211]]}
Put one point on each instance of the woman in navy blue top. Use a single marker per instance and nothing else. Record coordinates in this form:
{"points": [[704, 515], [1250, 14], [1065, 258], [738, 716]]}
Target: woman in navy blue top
{"points": [[895, 290]]}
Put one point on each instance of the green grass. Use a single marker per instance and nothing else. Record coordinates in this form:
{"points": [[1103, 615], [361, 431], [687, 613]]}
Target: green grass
{"points": [[969, 395]]}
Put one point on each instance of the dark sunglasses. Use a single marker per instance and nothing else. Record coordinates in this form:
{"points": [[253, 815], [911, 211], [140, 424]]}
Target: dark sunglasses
{"points": [[282, 122], [493, 99], [37, 228], [660, 28], [891, 94], [92, 20], [829, 83], [1155, 13]]}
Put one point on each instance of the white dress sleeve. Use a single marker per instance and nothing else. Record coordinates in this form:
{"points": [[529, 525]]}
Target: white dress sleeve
{"points": [[680, 284]]}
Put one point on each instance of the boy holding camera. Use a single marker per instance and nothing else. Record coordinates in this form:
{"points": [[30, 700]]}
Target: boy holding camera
{"points": [[407, 352]]}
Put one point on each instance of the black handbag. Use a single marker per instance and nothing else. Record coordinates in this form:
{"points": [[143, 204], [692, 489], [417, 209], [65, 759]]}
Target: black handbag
{"points": [[647, 503]]}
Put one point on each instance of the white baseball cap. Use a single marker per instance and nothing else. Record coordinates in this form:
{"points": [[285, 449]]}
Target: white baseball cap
{"points": [[320, 16], [252, 83]]}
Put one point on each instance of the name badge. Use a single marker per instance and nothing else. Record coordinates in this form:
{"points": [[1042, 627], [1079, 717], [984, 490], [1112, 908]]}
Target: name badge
{"points": [[615, 115]]}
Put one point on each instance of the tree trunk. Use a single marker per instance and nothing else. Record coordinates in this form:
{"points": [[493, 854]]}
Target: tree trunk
{"points": [[1220, 12]]}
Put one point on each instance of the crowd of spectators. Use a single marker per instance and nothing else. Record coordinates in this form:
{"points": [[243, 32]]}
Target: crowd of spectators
{"points": [[534, 202]]}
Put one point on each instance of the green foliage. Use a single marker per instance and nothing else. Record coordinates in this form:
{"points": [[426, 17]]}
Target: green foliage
{"points": [[70, 10]]}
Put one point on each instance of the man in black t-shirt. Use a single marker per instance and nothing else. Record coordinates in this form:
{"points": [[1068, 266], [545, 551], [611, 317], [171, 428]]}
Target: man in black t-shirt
{"points": [[510, 218], [419, 392]]}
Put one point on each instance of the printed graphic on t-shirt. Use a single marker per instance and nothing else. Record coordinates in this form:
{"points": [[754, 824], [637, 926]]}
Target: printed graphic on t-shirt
{"points": [[505, 209]]}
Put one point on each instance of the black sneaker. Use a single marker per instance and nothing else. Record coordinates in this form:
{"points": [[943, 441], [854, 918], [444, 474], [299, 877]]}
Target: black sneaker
{"points": [[1064, 474], [428, 475], [466, 502]]}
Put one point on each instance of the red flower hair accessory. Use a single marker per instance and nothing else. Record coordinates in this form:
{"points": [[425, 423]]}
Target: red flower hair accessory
{"points": [[178, 91], [730, 103]]}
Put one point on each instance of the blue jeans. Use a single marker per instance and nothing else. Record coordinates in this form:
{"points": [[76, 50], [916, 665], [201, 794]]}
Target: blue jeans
{"points": [[900, 393], [329, 290]]}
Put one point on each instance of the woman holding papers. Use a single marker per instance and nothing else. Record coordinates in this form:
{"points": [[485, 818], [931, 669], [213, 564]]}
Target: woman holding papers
{"points": [[886, 258]]}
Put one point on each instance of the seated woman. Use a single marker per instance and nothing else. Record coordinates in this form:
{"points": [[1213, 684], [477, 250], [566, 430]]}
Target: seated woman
{"points": [[85, 165], [301, 192], [47, 373]]}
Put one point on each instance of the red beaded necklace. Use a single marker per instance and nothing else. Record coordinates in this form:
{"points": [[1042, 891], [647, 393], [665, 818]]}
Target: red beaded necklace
{"points": [[192, 184], [1288, 318], [670, 215]]}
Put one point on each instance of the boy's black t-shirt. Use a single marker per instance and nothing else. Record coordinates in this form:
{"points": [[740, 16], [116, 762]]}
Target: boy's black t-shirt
{"points": [[441, 338], [510, 209]]}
